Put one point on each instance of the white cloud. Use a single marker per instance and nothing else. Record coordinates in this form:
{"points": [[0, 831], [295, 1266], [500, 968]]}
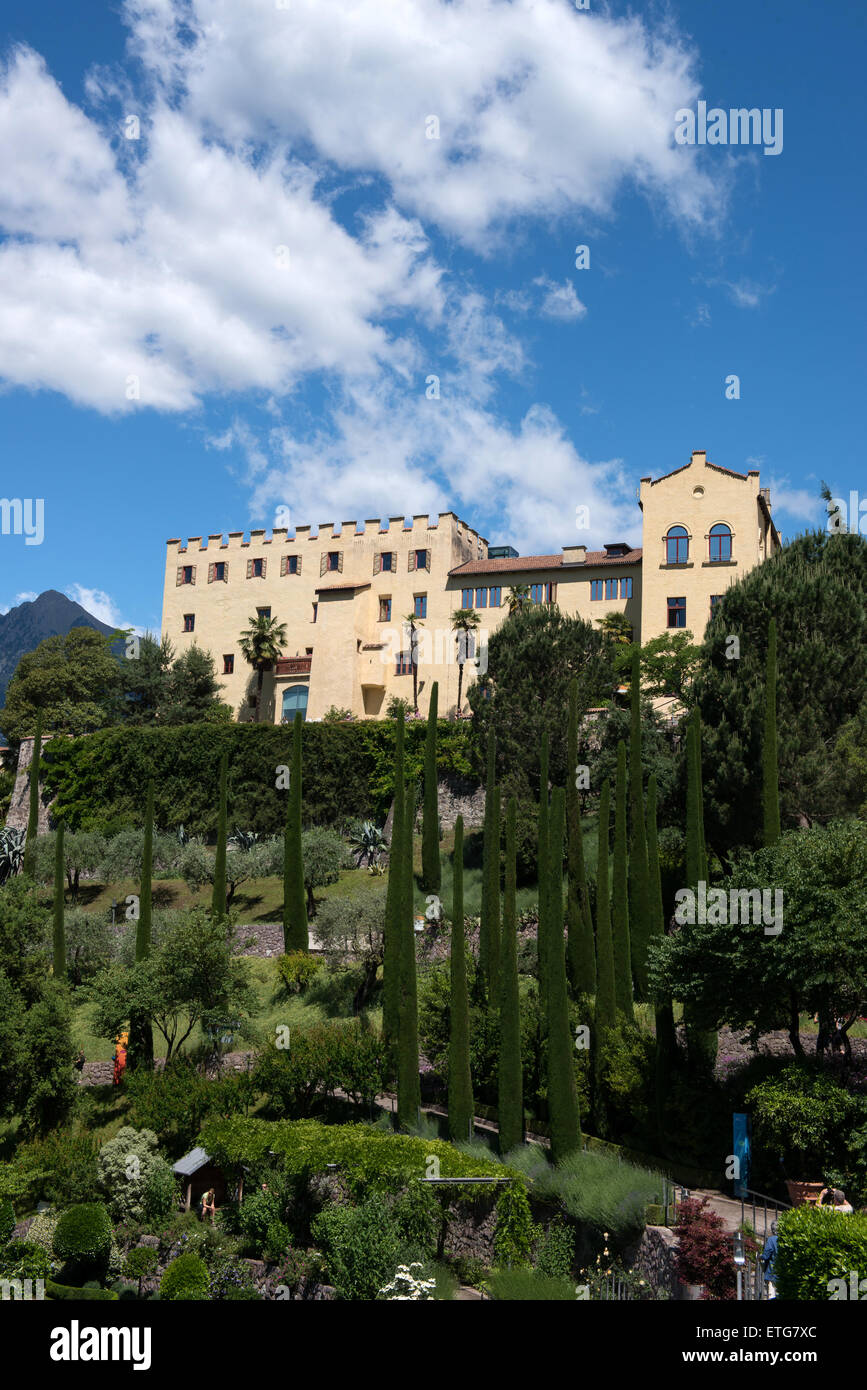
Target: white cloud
{"points": [[798, 504], [26, 597], [101, 605], [560, 301]]}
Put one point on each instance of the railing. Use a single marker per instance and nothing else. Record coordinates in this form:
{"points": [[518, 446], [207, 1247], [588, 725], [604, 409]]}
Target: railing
{"points": [[755, 1286], [293, 666], [761, 1204], [614, 1290]]}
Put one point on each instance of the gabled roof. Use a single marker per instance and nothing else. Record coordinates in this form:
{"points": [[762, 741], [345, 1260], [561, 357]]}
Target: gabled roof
{"points": [[191, 1163]]}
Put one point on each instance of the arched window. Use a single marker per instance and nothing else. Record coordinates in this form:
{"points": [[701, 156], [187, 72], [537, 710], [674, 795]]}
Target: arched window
{"points": [[720, 540], [677, 545], [295, 700]]}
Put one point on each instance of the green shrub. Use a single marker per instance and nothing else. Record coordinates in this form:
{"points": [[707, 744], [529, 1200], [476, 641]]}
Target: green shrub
{"points": [[41, 1230], [594, 1189], [185, 1280], [817, 1246], [7, 1221], [61, 1167], [276, 1243], [82, 1240], [296, 969], [319, 1061], [244, 1291], [22, 1259], [514, 1232], [53, 1290], [418, 1215], [141, 1261], [654, 1215], [526, 1285], [360, 1245], [555, 1253], [806, 1117], [138, 1182]]}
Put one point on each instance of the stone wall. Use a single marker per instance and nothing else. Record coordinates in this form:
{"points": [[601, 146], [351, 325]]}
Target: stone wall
{"points": [[656, 1258], [19, 806]]}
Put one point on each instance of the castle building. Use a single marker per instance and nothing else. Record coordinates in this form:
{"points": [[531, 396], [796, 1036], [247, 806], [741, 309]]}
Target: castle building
{"points": [[346, 594]]}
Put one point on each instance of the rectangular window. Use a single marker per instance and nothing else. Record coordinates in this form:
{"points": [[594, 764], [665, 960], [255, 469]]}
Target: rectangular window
{"points": [[218, 572], [386, 560], [466, 598], [315, 611], [189, 622], [537, 593], [403, 665], [714, 600], [611, 588], [228, 664], [677, 612], [263, 612], [385, 610], [333, 560], [481, 598], [494, 597], [420, 605], [187, 574], [257, 570], [291, 564], [626, 587], [595, 588], [421, 560]]}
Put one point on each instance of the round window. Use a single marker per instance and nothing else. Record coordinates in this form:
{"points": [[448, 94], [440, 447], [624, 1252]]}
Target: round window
{"points": [[698, 492]]}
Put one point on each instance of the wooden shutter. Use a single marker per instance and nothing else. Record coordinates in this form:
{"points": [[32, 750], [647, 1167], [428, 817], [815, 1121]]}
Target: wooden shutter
{"points": [[212, 573], [192, 574], [340, 561], [411, 561], [299, 564], [427, 561], [249, 569], [284, 565], [377, 563], [264, 566], [180, 578], [323, 563]]}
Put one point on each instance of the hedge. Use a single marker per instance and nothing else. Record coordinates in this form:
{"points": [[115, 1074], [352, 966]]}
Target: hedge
{"points": [[53, 1290], [82, 1239], [367, 1157], [348, 771], [816, 1245]]}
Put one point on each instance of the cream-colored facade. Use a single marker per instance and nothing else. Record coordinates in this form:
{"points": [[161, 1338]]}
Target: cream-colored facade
{"points": [[344, 593]]}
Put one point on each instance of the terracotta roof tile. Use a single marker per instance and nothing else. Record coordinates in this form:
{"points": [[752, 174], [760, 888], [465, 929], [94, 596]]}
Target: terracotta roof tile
{"points": [[524, 563]]}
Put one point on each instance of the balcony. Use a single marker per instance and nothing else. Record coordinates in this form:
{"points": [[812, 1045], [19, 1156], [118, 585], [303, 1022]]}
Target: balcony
{"points": [[292, 666]]}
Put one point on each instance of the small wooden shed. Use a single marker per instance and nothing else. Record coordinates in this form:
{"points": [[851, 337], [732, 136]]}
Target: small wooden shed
{"points": [[201, 1175]]}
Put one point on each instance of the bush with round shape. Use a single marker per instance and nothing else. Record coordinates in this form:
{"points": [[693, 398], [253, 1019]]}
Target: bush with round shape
{"points": [[185, 1280], [139, 1263], [82, 1241], [817, 1248], [137, 1180]]}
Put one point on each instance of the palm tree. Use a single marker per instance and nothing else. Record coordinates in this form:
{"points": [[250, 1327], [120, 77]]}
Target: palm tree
{"points": [[465, 622], [616, 626], [518, 597], [412, 622], [261, 645]]}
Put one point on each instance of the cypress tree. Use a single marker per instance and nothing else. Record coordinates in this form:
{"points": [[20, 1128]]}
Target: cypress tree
{"points": [[510, 1082], [620, 902], [666, 1037], [489, 926], [563, 1115], [460, 1098], [701, 1042], [639, 904], [493, 899], [295, 927], [59, 942], [140, 1053], [431, 869], [393, 918], [581, 948], [605, 1011], [408, 1085], [218, 896], [28, 866], [542, 857], [770, 771]]}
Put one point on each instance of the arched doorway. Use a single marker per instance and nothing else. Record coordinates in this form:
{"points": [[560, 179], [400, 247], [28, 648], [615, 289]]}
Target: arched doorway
{"points": [[295, 701]]}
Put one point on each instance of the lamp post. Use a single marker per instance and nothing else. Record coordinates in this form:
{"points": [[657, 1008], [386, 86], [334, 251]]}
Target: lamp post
{"points": [[740, 1259]]}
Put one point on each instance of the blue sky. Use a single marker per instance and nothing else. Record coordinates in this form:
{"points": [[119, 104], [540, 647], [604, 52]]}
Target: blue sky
{"points": [[283, 258]]}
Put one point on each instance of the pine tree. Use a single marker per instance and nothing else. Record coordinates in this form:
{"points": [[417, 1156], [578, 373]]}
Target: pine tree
{"points": [[563, 1115], [218, 895], [28, 866], [431, 869], [666, 1037], [408, 1085], [542, 859], [770, 771], [620, 902], [489, 924], [701, 1042], [639, 905], [460, 1098], [393, 898], [296, 935], [510, 1084], [581, 947], [605, 1011], [140, 1053], [59, 951]]}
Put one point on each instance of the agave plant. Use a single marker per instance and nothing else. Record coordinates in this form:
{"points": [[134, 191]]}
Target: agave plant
{"points": [[11, 852], [244, 839], [368, 842]]}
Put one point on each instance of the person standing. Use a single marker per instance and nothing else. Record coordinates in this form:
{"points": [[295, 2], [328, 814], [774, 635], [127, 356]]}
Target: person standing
{"points": [[769, 1261]]}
